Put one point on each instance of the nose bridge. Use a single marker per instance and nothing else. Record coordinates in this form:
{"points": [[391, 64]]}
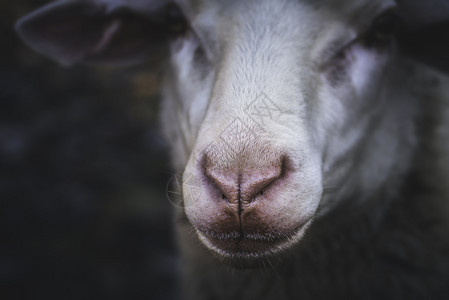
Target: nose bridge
{"points": [[249, 60], [257, 90], [233, 140]]}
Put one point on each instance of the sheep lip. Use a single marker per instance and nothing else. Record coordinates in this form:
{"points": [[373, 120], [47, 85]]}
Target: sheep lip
{"points": [[245, 245], [249, 245]]}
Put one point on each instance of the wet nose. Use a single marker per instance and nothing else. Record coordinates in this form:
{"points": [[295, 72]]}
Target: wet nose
{"points": [[242, 184]]}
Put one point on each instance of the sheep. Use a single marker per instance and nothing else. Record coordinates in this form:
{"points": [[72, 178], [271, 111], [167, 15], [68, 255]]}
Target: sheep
{"points": [[312, 136]]}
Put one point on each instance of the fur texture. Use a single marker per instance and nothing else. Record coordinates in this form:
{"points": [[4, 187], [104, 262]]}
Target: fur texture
{"points": [[381, 229], [327, 93], [396, 250]]}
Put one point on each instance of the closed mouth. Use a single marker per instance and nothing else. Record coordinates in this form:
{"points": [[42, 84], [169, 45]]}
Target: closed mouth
{"points": [[244, 245]]}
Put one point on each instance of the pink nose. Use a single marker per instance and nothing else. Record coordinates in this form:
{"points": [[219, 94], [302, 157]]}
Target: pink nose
{"points": [[242, 184]]}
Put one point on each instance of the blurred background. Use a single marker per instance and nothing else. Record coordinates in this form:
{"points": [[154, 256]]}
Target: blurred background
{"points": [[83, 173]]}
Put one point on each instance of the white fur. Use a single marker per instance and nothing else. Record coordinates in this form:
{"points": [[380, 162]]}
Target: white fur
{"points": [[318, 124], [351, 140], [254, 81]]}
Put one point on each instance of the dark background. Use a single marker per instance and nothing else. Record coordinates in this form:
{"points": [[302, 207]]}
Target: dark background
{"points": [[83, 175]]}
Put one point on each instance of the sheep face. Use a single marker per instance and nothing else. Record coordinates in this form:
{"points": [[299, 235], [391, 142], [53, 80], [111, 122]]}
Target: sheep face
{"points": [[276, 111], [281, 115]]}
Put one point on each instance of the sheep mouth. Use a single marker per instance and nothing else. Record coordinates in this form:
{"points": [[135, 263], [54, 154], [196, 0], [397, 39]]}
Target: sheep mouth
{"points": [[245, 244], [251, 246]]}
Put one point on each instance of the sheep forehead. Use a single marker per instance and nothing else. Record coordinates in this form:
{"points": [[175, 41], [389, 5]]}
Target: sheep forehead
{"points": [[339, 8], [301, 24], [270, 47]]}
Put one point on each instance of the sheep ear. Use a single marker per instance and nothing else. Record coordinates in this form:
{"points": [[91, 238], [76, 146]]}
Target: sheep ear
{"points": [[425, 34], [102, 31]]}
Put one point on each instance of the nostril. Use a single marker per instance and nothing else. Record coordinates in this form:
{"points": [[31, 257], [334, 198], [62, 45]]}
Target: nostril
{"points": [[225, 183], [258, 183], [244, 184]]}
